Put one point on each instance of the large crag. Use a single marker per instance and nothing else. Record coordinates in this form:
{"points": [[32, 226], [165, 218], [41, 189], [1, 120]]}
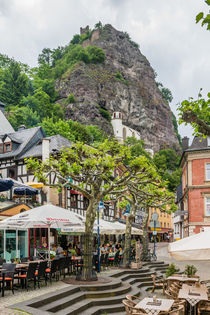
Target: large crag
{"points": [[125, 83]]}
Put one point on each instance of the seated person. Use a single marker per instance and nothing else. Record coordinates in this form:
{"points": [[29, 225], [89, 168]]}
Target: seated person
{"points": [[59, 251]]}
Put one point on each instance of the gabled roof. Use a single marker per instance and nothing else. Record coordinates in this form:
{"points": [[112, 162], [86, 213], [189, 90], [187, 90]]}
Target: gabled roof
{"points": [[57, 142], [26, 138], [198, 143], [5, 126]]}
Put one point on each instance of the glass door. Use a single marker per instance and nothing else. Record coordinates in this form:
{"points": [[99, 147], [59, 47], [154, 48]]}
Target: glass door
{"points": [[22, 244], [10, 249]]}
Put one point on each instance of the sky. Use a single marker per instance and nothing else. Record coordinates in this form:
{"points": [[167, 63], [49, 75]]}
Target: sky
{"points": [[176, 47]]}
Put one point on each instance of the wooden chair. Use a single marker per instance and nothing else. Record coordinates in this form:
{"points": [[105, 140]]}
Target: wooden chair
{"points": [[175, 310], [131, 310], [158, 282], [132, 298], [203, 306]]}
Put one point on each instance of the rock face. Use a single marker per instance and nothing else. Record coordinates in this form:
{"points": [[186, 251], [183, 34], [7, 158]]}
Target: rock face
{"points": [[125, 83]]}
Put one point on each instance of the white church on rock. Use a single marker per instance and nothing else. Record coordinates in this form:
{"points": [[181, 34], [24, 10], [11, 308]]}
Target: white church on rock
{"points": [[122, 132]]}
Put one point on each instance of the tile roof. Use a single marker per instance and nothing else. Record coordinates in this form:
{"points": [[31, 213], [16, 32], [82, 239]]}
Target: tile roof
{"points": [[198, 143], [57, 142], [25, 138], [5, 126]]}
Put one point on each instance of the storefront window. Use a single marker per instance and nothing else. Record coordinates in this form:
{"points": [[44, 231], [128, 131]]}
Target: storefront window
{"points": [[10, 245], [22, 244], [2, 243]]}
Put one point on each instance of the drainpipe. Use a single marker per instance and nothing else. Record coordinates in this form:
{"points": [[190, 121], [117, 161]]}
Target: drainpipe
{"points": [[45, 157]]}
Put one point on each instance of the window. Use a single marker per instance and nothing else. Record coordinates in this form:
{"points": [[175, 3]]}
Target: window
{"points": [[168, 225], [208, 206], [1, 148], [164, 225], [207, 171]]}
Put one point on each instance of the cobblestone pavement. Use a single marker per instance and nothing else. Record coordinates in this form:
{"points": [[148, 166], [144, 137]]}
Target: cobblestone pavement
{"points": [[21, 295]]}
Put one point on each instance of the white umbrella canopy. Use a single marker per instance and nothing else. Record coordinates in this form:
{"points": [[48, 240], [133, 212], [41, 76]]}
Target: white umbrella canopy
{"points": [[47, 216], [44, 216], [195, 247], [105, 227]]}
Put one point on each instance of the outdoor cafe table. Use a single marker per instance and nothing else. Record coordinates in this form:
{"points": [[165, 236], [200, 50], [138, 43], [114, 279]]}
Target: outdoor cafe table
{"points": [[153, 308], [181, 278], [193, 294]]}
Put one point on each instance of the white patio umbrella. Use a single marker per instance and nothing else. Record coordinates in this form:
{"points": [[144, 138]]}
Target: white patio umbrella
{"points": [[195, 247], [47, 216], [106, 227]]}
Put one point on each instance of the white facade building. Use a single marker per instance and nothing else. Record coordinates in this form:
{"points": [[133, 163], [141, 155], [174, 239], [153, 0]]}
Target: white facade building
{"points": [[122, 132]]}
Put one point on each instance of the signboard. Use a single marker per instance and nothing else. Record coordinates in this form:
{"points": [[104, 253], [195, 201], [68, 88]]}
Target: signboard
{"points": [[156, 229], [154, 232], [157, 224]]}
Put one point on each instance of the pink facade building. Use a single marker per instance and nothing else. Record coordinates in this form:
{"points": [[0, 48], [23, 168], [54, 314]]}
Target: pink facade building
{"points": [[194, 199]]}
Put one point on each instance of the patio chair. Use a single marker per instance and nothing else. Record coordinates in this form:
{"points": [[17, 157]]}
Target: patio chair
{"points": [[61, 265], [7, 276], [40, 274], [176, 310], [67, 266], [2, 261], [158, 282], [29, 275], [203, 306], [131, 310], [53, 270], [132, 298], [106, 259]]}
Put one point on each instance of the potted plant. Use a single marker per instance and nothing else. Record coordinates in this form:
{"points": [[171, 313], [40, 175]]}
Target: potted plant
{"points": [[190, 270], [171, 270]]}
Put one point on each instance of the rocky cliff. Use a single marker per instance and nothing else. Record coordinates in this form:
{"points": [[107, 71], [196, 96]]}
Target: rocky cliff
{"points": [[125, 82]]}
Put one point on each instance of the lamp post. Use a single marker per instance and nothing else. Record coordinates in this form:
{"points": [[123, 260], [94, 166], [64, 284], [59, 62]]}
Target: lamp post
{"points": [[100, 206]]}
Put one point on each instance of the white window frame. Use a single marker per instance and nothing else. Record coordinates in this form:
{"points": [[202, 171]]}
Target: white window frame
{"points": [[207, 206], [207, 170]]}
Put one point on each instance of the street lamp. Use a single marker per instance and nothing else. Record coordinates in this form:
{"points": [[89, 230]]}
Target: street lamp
{"points": [[100, 206]]}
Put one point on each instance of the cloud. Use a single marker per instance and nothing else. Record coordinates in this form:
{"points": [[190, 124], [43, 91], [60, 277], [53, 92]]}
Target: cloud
{"points": [[177, 48]]}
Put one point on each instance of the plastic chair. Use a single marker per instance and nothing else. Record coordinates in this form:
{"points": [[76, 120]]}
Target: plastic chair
{"points": [[8, 276], [29, 275], [40, 273]]}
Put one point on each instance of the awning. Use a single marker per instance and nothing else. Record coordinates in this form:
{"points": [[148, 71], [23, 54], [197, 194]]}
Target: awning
{"points": [[5, 184], [75, 192], [25, 191], [195, 247]]}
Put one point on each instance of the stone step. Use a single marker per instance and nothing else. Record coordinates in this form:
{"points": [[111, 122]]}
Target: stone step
{"points": [[80, 296], [117, 309], [84, 306]]}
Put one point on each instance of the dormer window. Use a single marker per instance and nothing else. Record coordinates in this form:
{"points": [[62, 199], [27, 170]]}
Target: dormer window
{"points": [[7, 145]]}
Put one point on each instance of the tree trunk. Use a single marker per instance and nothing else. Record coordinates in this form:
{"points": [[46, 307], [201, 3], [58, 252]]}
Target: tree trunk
{"points": [[87, 271], [127, 247], [145, 232]]}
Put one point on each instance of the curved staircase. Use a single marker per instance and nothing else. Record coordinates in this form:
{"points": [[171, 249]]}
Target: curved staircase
{"points": [[99, 298]]}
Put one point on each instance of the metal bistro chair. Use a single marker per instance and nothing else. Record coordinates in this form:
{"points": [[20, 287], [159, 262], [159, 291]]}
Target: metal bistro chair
{"points": [[41, 273], [7, 276], [29, 275]]}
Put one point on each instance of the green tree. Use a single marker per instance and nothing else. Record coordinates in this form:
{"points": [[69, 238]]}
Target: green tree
{"points": [[75, 40], [166, 93], [45, 57], [96, 54], [22, 116], [205, 18], [92, 169], [197, 114], [167, 163], [13, 84], [99, 25]]}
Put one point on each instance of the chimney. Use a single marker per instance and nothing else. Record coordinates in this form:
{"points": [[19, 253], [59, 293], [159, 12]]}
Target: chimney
{"points": [[185, 143], [21, 127], [45, 149]]}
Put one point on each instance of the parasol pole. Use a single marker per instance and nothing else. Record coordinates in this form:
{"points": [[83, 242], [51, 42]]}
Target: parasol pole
{"points": [[49, 241]]}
